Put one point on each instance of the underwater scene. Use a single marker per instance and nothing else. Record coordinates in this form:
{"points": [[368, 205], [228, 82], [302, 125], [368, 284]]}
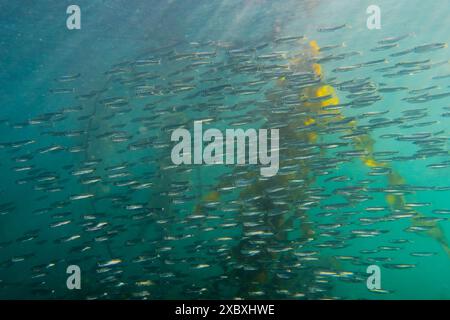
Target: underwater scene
{"points": [[224, 149]]}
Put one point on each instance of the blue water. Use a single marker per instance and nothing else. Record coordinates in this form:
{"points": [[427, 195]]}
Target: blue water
{"points": [[37, 48]]}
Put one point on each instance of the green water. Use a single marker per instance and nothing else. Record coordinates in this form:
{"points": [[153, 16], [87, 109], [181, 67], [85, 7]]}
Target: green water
{"points": [[163, 250]]}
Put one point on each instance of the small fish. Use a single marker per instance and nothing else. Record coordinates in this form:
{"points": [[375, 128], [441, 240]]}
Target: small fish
{"points": [[81, 196], [330, 29], [430, 47], [109, 263]]}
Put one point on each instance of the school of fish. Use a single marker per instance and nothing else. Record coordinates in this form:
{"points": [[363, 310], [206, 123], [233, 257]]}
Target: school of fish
{"points": [[101, 190]]}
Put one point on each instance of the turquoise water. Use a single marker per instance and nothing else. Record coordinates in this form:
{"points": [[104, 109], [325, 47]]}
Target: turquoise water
{"points": [[177, 232]]}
